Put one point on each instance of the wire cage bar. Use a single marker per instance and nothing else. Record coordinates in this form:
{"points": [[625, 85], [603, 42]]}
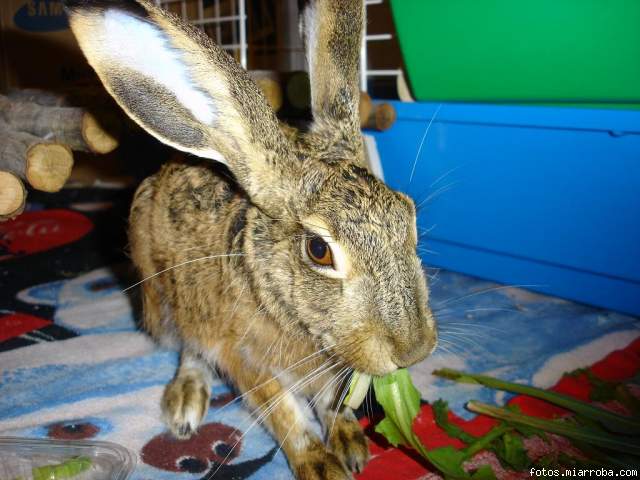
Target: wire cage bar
{"points": [[223, 20]]}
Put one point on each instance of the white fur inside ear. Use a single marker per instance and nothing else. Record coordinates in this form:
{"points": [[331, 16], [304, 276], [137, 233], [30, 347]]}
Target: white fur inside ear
{"points": [[144, 48], [311, 35]]}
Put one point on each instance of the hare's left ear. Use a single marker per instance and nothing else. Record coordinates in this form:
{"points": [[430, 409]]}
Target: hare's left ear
{"points": [[183, 89], [332, 31]]}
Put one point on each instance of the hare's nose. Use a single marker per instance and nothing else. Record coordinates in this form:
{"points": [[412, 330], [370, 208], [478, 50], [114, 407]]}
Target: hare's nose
{"points": [[416, 348]]}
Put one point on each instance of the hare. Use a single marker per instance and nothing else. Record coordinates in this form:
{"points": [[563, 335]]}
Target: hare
{"points": [[284, 269]]}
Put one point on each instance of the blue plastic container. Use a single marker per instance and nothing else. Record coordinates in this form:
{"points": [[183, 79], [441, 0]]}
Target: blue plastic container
{"points": [[542, 197]]}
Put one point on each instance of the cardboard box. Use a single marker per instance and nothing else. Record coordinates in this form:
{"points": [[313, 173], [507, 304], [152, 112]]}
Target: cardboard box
{"points": [[38, 49]]}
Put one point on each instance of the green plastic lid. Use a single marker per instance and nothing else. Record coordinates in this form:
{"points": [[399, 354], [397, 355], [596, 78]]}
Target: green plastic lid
{"points": [[543, 51]]}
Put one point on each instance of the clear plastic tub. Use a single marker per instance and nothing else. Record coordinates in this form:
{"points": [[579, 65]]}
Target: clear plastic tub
{"points": [[35, 459]]}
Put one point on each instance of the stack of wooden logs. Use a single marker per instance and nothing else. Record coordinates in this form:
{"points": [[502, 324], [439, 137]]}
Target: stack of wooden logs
{"points": [[293, 90], [38, 132], [376, 116]]}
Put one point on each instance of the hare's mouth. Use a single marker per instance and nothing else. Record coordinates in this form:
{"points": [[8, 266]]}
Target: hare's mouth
{"points": [[369, 356]]}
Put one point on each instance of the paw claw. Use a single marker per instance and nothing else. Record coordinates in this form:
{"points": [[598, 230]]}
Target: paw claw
{"points": [[184, 405], [320, 464], [348, 442]]}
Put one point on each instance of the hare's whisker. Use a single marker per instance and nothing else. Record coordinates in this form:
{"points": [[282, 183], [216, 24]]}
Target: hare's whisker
{"points": [[312, 403], [484, 291], [251, 321], [345, 390], [446, 174], [474, 325], [467, 341], [299, 363], [253, 424], [435, 194], [303, 382], [209, 257], [424, 137]]}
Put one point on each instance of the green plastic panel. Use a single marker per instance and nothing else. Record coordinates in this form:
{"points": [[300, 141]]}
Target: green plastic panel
{"points": [[544, 51]]}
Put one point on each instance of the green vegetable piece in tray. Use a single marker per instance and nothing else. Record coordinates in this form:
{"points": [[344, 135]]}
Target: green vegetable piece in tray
{"points": [[62, 471]]}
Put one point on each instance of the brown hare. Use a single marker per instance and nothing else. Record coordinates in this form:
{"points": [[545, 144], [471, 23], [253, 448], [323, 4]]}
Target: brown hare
{"points": [[292, 270]]}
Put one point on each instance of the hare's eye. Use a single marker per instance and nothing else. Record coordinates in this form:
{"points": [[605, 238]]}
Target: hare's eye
{"points": [[319, 252]]}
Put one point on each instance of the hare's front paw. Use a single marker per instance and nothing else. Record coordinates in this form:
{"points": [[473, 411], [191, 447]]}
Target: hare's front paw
{"points": [[184, 404], [347, 441], [318, 463]]}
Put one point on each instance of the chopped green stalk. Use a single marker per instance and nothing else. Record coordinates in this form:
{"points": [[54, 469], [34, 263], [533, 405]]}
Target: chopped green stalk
{"points": [[485, 472], [511, 449], [358, 389], [612, 421], [440, 415], [68, 469], [449, 461], [625, 398], [588, 435], [483, 442]]}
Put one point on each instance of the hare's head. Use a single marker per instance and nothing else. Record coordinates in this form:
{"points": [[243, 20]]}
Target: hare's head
{"points": [[334, 249]]}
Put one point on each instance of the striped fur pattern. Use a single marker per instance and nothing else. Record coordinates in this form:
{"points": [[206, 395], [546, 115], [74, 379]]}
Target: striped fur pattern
{"points": [[238, 294]]}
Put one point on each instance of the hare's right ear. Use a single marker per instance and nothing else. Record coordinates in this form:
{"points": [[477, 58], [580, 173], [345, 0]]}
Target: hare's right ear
{"points": [[183, 89]]}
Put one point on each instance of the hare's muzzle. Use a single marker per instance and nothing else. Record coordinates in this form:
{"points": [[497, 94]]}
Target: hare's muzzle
{"points": [[411, 348]]}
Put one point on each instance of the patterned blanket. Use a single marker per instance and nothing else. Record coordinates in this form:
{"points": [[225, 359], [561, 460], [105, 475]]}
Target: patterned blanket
{"points": [[74, 364]]}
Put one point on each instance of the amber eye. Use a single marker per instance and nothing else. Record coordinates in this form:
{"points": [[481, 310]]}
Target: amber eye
{"points": [[319, 252]]}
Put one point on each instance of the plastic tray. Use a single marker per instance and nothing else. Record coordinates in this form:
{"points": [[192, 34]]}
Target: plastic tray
{"points": [[36, 459]]}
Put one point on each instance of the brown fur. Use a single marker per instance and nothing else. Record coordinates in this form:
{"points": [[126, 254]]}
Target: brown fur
{"points": [[236, 292]]}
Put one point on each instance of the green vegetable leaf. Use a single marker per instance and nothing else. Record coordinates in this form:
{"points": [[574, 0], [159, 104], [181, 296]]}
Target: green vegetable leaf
{"points": [[388, 430], [401, 403]]}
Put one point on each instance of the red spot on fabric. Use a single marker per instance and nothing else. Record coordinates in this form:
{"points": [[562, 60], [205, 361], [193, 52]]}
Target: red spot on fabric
{"points": [[214, 442], [222, 399], [34, 232], [72, 430], [15, 324]]}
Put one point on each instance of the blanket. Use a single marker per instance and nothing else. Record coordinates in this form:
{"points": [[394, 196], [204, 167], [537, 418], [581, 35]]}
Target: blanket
{"points": [[75, 365]]}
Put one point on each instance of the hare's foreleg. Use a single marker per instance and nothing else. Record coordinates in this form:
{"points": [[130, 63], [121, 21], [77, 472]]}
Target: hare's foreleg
{"points": [[281, 412], [186, 399], [343, 432]]}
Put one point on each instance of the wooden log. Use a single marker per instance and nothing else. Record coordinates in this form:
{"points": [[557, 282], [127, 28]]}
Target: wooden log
{"points": [[298, 90], [45, 165], [84, 97], [76, 127], [272, 90], [381, 118], [12, 195], [269, 83], [365, 107], [41, 97]]}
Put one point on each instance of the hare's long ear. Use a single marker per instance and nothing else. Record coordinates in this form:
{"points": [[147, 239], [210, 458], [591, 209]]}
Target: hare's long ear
{"points": [[332, 31], [180, 87]]}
